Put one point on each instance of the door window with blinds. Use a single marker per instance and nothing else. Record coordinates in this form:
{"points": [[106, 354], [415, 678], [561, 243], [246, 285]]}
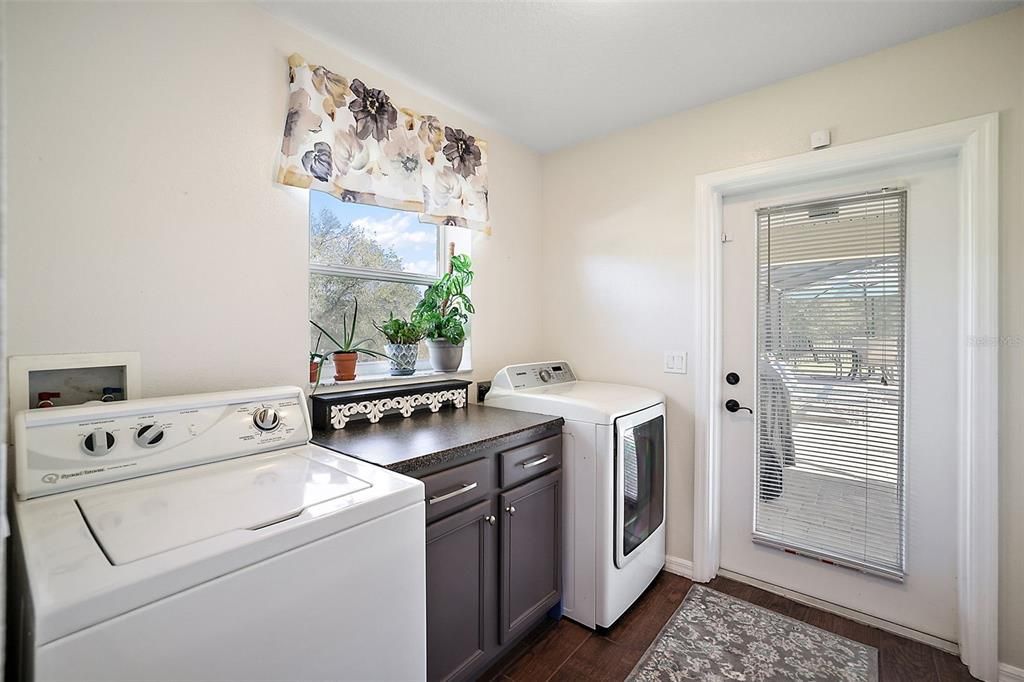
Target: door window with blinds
{"points": [[830, 353]]}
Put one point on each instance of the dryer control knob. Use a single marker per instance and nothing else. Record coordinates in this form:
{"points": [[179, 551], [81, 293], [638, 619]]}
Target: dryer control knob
{"points": [[266, 419], [98, 443], [545, 376], [149, 435]]}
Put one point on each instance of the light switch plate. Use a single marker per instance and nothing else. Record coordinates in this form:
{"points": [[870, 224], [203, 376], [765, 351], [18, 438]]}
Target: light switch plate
{"points": [[675, 362]]}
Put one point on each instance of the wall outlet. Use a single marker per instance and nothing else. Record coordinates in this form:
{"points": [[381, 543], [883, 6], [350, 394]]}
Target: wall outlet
{"points": [[675, 362], [482, 387]]}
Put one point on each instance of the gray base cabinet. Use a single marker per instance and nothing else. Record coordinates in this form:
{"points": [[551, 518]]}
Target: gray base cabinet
{"points": [[461, 590], [531, 565], [493, 554]]}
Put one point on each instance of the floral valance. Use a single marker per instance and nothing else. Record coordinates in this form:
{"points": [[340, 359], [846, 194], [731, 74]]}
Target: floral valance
{"points": [[347, 138]]}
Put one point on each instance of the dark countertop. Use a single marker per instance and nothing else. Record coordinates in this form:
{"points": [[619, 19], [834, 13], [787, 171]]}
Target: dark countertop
{"points": [[429, 439]]}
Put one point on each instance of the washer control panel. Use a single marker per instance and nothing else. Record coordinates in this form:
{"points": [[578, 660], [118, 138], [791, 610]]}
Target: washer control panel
{"points": [[534, 375], [59, 449]]}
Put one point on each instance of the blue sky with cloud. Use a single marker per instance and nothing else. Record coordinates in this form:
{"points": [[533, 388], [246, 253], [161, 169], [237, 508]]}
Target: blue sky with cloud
{"points": [[413, 241]]}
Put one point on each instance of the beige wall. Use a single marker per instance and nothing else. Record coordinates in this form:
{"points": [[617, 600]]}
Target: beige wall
{"points": [[619, 238], [143, 216]]}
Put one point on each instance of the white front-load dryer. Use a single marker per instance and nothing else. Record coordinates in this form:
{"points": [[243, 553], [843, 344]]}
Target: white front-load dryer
{"points": [[614, 463]]}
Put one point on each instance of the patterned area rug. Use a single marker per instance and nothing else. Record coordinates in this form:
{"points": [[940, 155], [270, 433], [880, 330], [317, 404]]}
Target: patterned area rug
{"points": [[713, 636]]}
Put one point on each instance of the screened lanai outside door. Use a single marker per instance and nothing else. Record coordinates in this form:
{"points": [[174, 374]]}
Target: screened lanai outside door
{"points": [[830, 379]]}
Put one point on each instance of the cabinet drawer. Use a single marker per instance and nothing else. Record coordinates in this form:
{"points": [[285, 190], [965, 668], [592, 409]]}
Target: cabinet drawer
{"points": [[456, 487], [529, 460]]}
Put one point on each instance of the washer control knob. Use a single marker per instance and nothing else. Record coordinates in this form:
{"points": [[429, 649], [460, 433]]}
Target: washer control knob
{"points": [[98, 443], [266, 419], [545, 375], [149, 435]]}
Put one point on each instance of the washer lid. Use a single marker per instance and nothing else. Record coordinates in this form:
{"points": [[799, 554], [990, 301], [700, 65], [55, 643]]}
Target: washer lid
{"points": [[196, 505]]}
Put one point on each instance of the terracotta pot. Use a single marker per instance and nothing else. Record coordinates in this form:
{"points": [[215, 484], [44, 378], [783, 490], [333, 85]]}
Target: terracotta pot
{"points": [[314, 371], [344, 366]]}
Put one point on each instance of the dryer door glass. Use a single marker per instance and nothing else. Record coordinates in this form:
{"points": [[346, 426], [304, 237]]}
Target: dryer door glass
{"points": [[640, 482]]}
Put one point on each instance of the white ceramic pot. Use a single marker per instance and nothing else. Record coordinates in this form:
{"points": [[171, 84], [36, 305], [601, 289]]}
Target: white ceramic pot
{"points": [[402, 358]]}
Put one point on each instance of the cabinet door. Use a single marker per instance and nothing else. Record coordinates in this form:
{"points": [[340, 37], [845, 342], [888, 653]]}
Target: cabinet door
{"points": [[461, 589], [531, 558]]}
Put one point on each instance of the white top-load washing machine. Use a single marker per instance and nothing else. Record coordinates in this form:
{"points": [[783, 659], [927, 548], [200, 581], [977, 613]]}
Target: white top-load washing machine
{"points": [[614, 471], [203, 538]]}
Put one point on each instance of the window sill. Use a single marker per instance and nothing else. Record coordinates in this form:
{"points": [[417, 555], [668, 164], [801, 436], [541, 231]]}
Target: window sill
{"points": [[329, 385]]}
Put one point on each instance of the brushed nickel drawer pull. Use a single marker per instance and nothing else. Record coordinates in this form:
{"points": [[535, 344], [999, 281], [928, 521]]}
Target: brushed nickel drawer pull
{"points": [[466, 487], [536, 462], [490, 519]]}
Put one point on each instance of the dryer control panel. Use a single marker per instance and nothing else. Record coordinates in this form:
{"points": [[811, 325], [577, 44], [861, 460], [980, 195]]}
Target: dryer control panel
{"points": [[533, 375], [60, 449]]}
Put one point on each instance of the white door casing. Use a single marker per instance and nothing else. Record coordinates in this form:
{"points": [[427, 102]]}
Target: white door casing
{"points": [[974, 143]]}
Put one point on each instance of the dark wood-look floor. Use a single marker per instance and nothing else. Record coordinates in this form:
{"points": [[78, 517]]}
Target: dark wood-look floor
{"points": [[567, 651]]}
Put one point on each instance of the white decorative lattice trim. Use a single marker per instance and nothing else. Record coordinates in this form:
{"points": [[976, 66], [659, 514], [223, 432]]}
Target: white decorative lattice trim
{"points": [[405, 404]]}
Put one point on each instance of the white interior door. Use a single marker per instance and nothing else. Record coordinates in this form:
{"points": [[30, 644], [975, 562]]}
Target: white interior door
{"points": [[826, 484]]}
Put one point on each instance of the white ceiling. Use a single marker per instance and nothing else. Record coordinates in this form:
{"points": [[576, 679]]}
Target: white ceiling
{"points": [[551, 74]]}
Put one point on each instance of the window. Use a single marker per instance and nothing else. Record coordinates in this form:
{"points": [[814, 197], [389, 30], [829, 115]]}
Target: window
{"points": [[385, 258], [831, 291]]}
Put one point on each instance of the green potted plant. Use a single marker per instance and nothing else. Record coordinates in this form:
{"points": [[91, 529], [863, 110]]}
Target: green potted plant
{"points": [[348, 349], [443, 313], [403, 346]]}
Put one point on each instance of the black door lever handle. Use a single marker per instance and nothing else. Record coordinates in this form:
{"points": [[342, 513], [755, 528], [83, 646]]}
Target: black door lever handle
{"points": [[733, 405]]}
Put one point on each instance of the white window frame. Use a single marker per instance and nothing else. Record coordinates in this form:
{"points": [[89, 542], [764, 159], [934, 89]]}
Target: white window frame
{"points": [[378, 371]]}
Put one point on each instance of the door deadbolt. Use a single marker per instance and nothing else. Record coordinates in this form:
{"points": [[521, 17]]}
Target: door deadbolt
{"points": [[732, 378]]}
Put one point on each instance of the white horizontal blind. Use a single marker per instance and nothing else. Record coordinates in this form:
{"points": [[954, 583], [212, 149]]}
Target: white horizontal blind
{"points": [[831, 339]]}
